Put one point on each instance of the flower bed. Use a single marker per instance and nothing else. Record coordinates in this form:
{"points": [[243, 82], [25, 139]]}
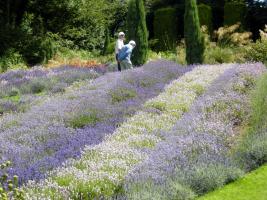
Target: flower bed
{"points": [[102, 168], [21, 88], [58, 128], [194, 157]]}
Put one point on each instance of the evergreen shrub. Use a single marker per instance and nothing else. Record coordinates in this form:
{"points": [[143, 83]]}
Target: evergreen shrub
{"points": [[234, 12], [194, 39], [137, 31], [165, 28]]}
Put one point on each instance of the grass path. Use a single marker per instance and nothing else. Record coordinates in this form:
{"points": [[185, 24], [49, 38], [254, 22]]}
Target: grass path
{"points": [[252, 187]]}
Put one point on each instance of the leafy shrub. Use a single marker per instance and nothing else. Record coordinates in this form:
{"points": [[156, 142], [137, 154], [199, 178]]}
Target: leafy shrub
{"points": [[229, 36], [110, 48], [257, 51], [9, 187], [165, 28], [39, 49], [219, 55], [11, 60], [37, 46]]}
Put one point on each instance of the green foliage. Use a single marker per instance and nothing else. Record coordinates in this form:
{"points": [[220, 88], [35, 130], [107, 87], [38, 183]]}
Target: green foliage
{"points": [[194, 40], [231, 36], [84, 21], [165, 28], [235, 12], [207, 177], [149, 190], [215, 55], [105, 50], [137, 31], [122, 94], [37, 86], [205, 16], [259, 104], [11, 60], [9, 187], [35, 28], [83, 120], [39, 50], [252, 150], [257, 51]]}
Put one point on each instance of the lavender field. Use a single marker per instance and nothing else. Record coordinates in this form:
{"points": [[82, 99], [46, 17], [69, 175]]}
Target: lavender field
{"points": [[58, 126], [161, 131]]}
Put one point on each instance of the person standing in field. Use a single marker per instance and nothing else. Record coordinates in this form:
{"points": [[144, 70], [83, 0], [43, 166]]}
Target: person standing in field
{"points": [[125, 55], [118, 47]]}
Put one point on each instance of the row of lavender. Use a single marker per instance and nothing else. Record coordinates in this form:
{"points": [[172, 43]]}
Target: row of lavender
{"points": [[102, 169], [21, 88], [196, 155], [57, 128]]}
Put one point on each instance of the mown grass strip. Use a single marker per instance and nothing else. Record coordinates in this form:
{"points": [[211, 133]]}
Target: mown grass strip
{"points": [[251, 187]]}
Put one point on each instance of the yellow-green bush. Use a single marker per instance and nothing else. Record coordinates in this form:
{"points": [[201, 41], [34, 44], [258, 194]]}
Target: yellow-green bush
{"points": [[231, 36]]}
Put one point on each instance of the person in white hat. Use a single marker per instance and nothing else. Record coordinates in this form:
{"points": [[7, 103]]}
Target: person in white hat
{"points": [[118, 47], [125, 53]]}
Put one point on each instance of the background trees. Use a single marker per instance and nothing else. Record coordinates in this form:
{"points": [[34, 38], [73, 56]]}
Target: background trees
{"points": [[79, 24], [34, 30]]}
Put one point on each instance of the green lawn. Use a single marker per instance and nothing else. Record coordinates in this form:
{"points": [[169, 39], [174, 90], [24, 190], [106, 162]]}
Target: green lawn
{"points": [[252, 187]]}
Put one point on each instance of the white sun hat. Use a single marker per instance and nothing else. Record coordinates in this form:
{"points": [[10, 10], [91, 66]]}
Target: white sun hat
{"points": [[121, 34], [132, 43]]}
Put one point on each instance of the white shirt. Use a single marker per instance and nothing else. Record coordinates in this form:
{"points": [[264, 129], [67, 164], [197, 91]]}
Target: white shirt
{"points": [[119, 45]]}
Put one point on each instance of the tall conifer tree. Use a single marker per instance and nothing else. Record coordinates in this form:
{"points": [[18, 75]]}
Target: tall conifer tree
{"points": [[194, 40], [137, 31]]}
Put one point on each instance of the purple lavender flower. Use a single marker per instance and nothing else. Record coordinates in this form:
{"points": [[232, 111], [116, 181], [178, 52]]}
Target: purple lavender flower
{"points": [[196, 151], [41, 139]]}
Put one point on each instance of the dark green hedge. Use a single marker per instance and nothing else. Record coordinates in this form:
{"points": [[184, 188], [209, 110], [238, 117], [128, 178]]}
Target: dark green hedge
{"points": [[166, 28], [234, 12], [205, 16]]}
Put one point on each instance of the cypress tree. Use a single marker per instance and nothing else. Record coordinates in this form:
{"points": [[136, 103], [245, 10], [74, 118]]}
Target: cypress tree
{"points": [[194, 40], [137, 31], [107, 42]]}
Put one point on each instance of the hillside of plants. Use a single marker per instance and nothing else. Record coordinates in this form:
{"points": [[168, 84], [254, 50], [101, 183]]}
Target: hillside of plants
{"points": [[187, 122]]}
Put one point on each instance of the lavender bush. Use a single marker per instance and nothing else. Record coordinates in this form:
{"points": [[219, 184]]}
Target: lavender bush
{"points": [[58, 128], [195, 153], [21, 88], [102, 168]]}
